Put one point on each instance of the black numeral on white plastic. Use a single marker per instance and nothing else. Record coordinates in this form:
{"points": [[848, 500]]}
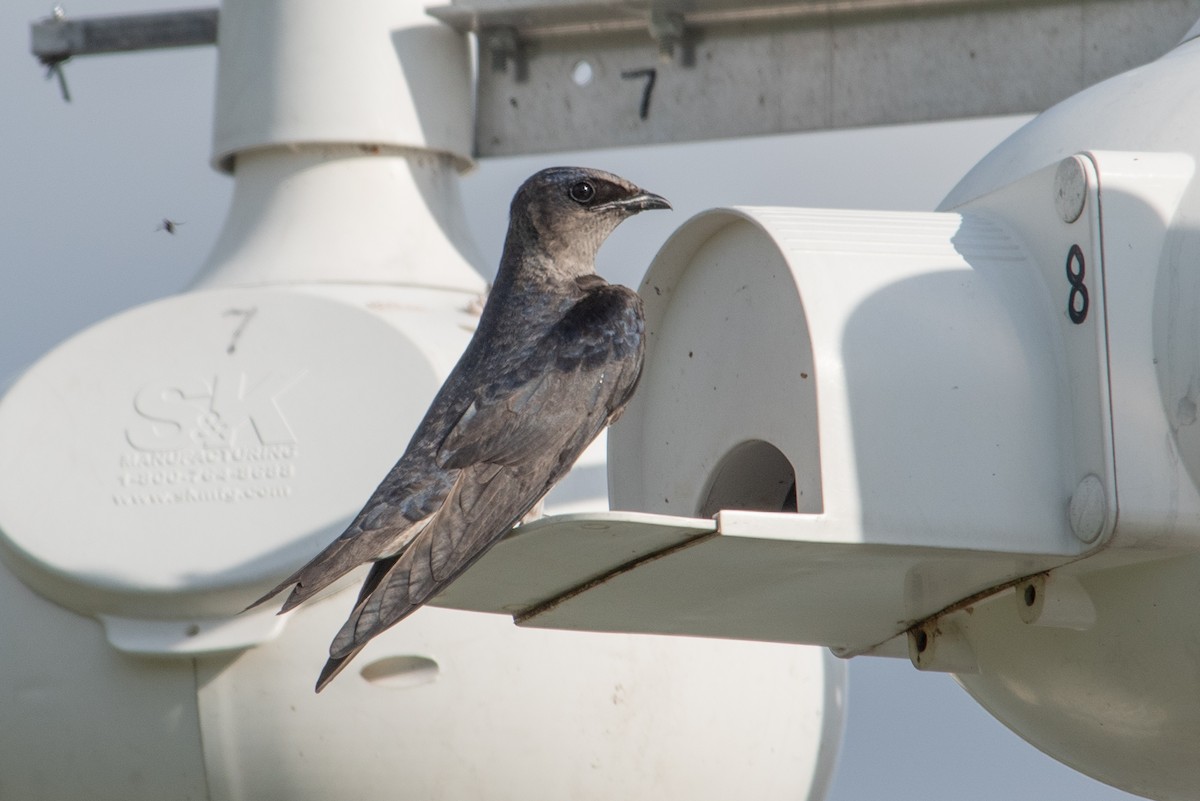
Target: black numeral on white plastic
{"points": [[1077, 299]]}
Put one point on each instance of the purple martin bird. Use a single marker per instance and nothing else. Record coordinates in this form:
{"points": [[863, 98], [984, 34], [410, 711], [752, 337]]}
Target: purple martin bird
{"points": [[555, 358]]}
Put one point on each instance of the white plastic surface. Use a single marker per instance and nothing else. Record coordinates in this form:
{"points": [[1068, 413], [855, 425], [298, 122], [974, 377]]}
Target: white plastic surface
{"points": [[187, 637], [1151, 244], [168, 462], [748, 575], [122, 496], [85, 721], [1117, 699], [377, 73], [963, 434], [163, 468], [913, 386], [524, 715], [935, 382], [347, 123], [338, 213], [908, 366], [164, 405]]}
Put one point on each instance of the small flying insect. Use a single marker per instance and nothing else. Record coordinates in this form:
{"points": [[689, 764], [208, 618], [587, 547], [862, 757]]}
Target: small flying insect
{"points": [[168, 225]]}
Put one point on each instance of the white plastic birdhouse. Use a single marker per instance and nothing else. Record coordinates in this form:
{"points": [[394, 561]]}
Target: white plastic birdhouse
{"points": [[875, 408], [163, 468], [967, 437]]}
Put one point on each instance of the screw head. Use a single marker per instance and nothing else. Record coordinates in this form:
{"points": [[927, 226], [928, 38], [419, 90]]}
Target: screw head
{"points": [[1070, 188], [1089, 508]]}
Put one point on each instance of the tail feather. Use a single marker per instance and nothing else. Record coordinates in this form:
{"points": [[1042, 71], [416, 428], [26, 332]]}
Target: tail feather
{"points": [[337, 662], [346, 642], [339, 558], [453, 539], [334, 666]]}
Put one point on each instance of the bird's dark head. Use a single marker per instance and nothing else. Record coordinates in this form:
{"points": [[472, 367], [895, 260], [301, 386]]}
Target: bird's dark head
{"points": [[570, 211]]}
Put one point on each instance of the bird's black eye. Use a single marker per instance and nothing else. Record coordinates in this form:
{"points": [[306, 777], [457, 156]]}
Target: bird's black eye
{"points": [[582, 192]]}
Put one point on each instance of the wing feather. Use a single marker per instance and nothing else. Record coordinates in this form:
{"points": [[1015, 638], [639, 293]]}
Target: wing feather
{"points": [[383, 527], [582, 362]]}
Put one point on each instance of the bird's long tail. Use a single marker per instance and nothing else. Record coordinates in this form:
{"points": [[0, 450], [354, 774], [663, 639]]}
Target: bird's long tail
{"points": [[336, 664]]}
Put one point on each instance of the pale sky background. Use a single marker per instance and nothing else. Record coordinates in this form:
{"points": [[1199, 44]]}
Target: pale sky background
{"points": [[83, 186]]}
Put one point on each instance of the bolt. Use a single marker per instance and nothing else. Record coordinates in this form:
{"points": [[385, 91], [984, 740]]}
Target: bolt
{"points": [[667, 30], [1070, 188], [1089, 508], [504, 45]]}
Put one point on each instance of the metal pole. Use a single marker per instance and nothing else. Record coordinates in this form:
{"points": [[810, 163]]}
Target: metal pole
{"points": [[56, 38]]}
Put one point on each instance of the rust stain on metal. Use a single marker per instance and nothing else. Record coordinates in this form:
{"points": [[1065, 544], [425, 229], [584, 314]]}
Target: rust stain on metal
{"points": [[911, 627], [965, 604]]}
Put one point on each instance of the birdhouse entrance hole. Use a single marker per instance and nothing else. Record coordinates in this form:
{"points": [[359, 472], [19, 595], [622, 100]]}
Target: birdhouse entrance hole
{"points": [[753, 476]]}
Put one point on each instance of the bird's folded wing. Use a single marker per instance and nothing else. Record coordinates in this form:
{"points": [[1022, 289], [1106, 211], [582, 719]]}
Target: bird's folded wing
{"points": [[358, 544], [486, 499], [590, 359], [509, 450], [486, 503]]}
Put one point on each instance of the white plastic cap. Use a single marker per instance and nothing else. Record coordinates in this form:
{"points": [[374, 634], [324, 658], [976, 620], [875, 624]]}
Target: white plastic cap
{"points": [[371, 72], [170, 461]]}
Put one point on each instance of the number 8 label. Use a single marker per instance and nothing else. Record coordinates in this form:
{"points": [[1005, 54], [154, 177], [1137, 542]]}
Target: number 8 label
{"points": [[1077, 300]]}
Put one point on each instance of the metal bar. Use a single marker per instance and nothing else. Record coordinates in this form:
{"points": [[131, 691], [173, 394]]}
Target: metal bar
{"points": [[56, 38], [602, 73], [546, 19]]}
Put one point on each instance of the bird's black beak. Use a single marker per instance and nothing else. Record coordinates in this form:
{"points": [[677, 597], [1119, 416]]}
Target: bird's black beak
{"points": [[646, 201], [643, 201]]}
